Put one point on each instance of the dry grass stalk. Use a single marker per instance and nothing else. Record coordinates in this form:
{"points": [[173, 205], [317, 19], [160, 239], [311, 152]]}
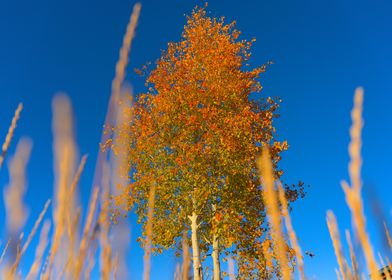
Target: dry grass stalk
{"points": [[86, 235], [21, 236], [44, 274], [177, 272], [63, 269], [334, 232], [115, 267], [13, 195], [338, 275], [72, 218], [91, 256], [291, 233], [149, 228], [64, 166], [274, 215], [353, 193], [4, 251], [79, 172], [388, 235], [40, 250], [354, 263], [74, 240], [124, 54], [35, 227], [104, 222], [31, 235], [117, 83], [10, 133], [119, 178], [121, 140], [16, 212], [106, 255]]}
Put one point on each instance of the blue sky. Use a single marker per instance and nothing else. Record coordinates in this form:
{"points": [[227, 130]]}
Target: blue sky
{"points": [[322, 51]]}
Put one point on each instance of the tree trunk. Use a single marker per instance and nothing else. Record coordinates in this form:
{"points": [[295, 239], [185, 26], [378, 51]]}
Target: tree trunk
{"points": [[215, 251], [215, 257], [197, 268]]}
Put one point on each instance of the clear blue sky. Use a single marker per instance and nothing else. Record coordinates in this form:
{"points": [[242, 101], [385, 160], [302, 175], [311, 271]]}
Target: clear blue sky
{"points": [[322, 51]]}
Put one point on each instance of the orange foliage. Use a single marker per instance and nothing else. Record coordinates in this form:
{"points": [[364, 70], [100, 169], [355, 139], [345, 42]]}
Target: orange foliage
{"points": [[196, 134]]}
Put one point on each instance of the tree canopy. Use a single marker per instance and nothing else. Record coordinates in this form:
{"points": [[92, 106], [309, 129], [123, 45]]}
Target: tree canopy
{"points": [[195, 136]]}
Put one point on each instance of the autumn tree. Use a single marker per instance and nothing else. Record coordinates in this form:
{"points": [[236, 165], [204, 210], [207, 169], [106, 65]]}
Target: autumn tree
{"points": [[195, 136]]}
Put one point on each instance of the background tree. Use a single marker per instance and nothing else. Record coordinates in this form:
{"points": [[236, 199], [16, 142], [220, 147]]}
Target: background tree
{"points": [[194, 139]]}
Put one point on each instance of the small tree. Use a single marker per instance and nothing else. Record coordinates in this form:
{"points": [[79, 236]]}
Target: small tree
{"points": [[194, 139]]}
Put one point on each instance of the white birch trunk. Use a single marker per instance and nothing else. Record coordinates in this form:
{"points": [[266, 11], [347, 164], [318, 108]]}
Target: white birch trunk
{"points": [[215, 257], [197, 268], [215, 252]]}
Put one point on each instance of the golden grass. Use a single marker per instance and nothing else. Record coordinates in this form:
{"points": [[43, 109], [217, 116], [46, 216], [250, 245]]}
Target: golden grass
{"points": [[115, 266], [272, 205], [277, 210], [177, 272], [338, 275], [72, 217], [119, 180], [334, 232], [76, 179], [291, 233], [120, 71], [148, 242], [104, 220], [30, 237], [4, 251], [117, 112], [16, 212], [10, 133], [124, 54], [65, 154], [354, 263], [84, 244], [275, 200], [353, 193], [388, 235], [40, 250]]}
